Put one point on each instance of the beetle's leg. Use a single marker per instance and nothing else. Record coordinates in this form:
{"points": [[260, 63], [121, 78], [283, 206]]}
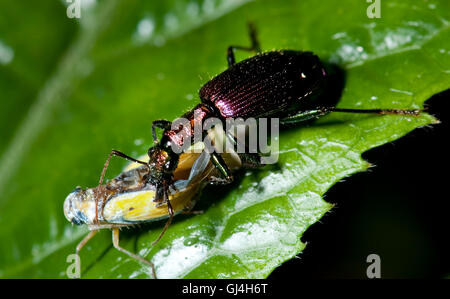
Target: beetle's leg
{"points": [[115, 237], [222, 167], [310, 114], [248, 160], [254, 47], [413, 112], [303, 116], [169, 221], [162, 124], [251, 160], [119, 154], [161, 195], [218, 162], [218, 181]]}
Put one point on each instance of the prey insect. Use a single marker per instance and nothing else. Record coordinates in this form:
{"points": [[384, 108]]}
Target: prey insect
{"points": [[283, 84], [127, 200]]}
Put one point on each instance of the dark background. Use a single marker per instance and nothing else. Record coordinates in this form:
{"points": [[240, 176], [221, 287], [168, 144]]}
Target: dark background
{"points": [[399, 209]]}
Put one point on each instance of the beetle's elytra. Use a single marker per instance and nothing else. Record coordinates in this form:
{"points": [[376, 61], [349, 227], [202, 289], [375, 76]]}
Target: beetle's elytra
{"points": [[272, 84]]}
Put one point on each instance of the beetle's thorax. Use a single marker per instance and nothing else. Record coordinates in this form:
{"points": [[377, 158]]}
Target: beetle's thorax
{"points": [[182, 133]]}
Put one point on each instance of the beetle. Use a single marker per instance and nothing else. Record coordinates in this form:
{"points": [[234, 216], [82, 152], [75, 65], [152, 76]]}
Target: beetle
{"points": [[127, 200], [284, 84]]}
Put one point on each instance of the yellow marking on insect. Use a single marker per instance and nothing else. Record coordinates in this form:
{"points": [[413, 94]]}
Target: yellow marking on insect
{"points": [[139, 206], [133, 165]]}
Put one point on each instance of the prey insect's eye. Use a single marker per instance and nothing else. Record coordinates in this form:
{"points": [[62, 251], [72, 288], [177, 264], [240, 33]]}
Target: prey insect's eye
{"points": [[77, 221]]}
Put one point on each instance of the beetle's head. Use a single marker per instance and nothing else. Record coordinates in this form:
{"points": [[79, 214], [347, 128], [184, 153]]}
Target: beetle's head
{"points": [[79, 206], [162, 163]]}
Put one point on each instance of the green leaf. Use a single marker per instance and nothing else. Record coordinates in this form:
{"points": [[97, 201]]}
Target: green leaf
{"points": [[74, 89]]}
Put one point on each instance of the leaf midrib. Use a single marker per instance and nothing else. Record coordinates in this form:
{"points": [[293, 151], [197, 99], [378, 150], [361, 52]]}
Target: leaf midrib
{"points": [[57, 87]]}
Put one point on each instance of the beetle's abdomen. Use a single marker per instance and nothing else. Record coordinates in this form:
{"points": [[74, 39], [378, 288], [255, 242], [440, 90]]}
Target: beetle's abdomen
{"points": [[272, 84]]}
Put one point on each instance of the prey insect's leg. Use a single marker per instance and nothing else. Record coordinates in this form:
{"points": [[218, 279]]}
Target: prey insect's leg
{"points": [[83, 242], [310, 114], [169, 221], [115, 237], [119, 154], [86, 239], [254, 47], [162, 124]]}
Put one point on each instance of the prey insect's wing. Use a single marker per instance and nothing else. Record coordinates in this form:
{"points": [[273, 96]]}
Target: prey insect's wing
{"points": [[197, 172]]}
